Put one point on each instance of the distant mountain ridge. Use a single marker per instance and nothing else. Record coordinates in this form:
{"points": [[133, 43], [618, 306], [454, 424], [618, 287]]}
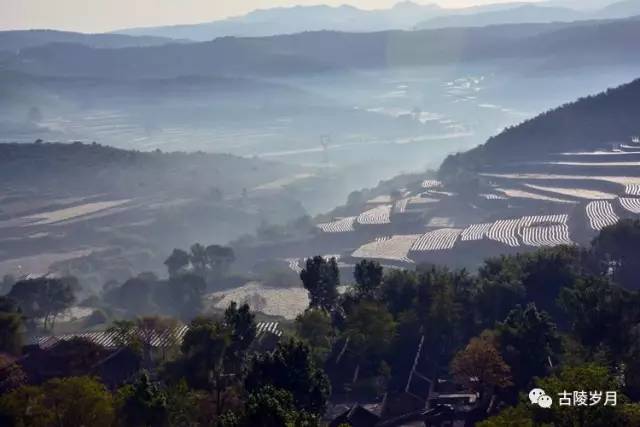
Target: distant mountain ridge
{"points": [[405, 15], [603, 43], [533, 13], [16, 40], [590, 123]]}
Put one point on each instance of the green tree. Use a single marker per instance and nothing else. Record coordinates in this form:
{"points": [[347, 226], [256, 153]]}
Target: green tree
{"points": [[480, 367], [370, 329], [399, 290], [518, 416], [314, 328], [617, 248], [290, 367], [600, 314], [72, 401], [529, 343], [242, 326], [321, 279], [177, 262], [11, 327], [144, 404], [43, 298], [185, 293], [272, 407], [368, 275]]}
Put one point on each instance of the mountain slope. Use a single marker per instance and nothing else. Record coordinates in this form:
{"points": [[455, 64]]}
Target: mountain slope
{"points": [[560, 45], [288, 20], [526, 13], [16, 40], [590, 123]]}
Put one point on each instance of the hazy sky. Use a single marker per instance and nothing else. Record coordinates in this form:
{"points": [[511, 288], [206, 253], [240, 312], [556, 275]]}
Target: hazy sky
{"points": [[105, 15]]}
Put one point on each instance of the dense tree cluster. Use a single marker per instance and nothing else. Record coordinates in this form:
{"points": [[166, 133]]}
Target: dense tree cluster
{"points": [[561, 318]]}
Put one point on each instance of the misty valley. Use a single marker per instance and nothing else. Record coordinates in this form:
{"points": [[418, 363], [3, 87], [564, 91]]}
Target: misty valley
{"points": [[323, 216]]}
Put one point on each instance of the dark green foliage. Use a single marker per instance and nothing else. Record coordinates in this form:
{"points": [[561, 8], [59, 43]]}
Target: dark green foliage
{"points": [[586, 124], [601, 313], [185, 293], [529, 343], [272, 407], [399, 290], [43, 298], [204, 347], [290, 367], [177, 261], [370, 329], [618, 248], [11, 327], [144, 404], [368, 275], [315, 329], [321, 278]]}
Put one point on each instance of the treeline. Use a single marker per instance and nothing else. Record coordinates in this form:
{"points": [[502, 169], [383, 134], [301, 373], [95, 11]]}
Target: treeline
{"points": [[563, 318], [560, 319]]}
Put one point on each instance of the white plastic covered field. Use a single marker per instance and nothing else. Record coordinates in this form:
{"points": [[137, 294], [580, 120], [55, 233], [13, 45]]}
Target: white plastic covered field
{"points": [[600, 214], [395, 248], [437, 240], [575, 192], [546, 235], [633, 190], [431, 184], [376, 216], [475, 232], [343, 225], [538, 231], [630, 204]]}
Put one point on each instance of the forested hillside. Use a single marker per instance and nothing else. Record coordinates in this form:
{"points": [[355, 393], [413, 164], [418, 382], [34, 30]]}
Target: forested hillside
{"points": [[590, 123]]}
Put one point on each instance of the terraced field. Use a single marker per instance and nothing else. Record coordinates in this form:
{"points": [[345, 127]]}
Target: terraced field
{"points": [[343, 225], [395, 248], [437, 240], [601, 214], [376, 216], [541, 208], [475, 232], [630, 204]]}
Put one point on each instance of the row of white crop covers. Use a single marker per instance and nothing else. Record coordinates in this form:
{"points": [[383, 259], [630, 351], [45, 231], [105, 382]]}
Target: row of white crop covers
{"points": [[601, 214], [537, 231], [379, 215]]}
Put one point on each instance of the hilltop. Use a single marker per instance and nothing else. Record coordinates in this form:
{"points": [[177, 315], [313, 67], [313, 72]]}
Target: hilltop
{"points": [[590, 123]]}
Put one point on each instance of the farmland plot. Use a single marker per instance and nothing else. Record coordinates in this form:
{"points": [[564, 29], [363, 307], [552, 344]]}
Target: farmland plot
{"points": [[475, 232], [633, 189], [437, 240], [576, 192], [601, 214], [343, 225], [521, 194], [396, 248], [630, 204], [490, 196], [430, 184], [46, 218], [546, 235], [505, 231], [376, 216]]}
